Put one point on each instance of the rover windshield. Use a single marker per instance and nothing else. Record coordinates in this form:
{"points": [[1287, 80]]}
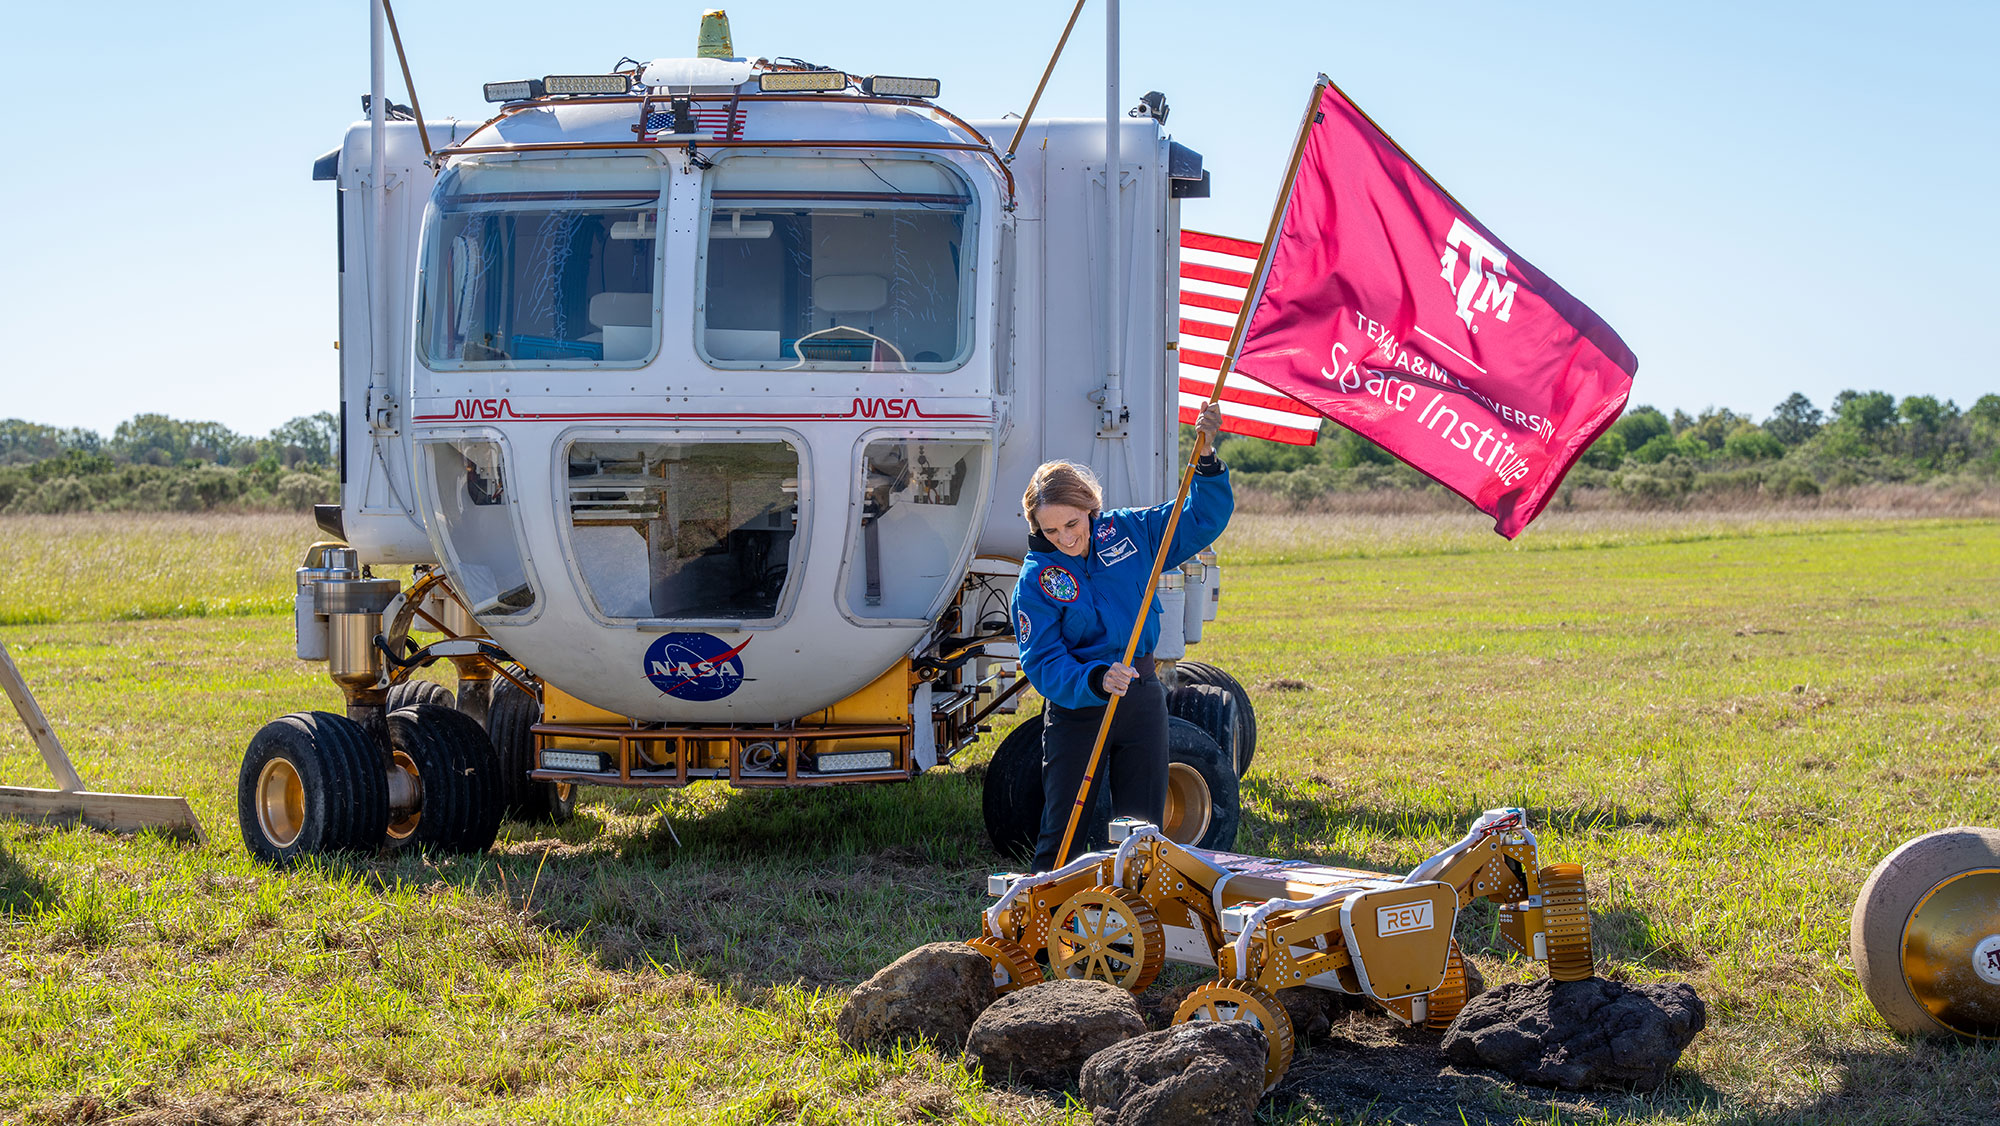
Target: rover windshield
{"points": [[856, 264], [541, 263]]}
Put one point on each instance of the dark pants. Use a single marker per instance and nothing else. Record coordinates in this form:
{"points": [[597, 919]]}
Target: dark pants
{"points": [[1134, 762]]}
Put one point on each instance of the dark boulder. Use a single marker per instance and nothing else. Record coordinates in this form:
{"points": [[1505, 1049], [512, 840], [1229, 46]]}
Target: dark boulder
{"points": [[1578, 1034], [1209, 1072], [932, 993], [1042, 1035]]}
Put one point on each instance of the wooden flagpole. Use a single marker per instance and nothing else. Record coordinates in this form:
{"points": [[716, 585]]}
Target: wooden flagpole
{"points": [[1187, 475]]}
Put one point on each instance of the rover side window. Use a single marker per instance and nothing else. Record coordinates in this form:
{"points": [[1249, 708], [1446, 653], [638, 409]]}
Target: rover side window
{"points": [[692, 530], [856, 264], [913, 526], [541, 263], [472, 505]]}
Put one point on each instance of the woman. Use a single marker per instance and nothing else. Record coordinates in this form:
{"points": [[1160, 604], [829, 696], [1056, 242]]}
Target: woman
{"points": [[1074, 606]]}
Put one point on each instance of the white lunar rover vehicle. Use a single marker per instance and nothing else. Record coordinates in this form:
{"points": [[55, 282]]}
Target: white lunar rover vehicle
{"points": [[700, 396]]}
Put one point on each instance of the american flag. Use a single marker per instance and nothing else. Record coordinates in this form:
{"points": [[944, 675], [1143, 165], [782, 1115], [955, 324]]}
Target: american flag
{"points": [[716, 121], [1215, 276]]}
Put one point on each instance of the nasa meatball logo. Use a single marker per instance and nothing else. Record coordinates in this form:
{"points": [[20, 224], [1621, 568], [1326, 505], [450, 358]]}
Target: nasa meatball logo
{"points": [[695, 666], [1105, 531], [1021, 619], [1059, 584]]}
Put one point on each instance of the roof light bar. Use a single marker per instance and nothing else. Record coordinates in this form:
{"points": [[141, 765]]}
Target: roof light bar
{"points": [[587, 83], [522, 90], [882, 85], [786, 81]]}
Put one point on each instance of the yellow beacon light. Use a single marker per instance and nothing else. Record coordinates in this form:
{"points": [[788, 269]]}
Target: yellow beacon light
{"points": [[787, 81], [714, 41]]}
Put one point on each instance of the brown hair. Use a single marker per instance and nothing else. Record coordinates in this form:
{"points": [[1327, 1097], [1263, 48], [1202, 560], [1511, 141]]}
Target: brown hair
{"points": [[1062, 482]]}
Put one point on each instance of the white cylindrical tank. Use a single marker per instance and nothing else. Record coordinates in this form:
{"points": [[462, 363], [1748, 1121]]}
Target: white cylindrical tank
{"points": [[1194, 609], [1172, 645], [1212, 581]]}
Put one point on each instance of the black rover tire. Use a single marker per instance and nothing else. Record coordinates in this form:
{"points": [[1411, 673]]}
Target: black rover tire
{"points": [[1198, 774], [1013, 798], [1210, 708], [510, 722], [461, 780], [1199, 672], [412, 692], [311, 784]]}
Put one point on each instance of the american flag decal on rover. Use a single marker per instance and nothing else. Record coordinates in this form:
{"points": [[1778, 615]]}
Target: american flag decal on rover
{"points": [[1219, 269], [713, 120]]}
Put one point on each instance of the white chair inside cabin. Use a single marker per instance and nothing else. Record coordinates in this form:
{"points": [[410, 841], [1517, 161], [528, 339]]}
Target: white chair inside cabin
{"points": [[624, 323]]}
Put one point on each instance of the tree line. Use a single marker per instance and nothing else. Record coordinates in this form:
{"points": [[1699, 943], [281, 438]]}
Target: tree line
{"points": [[153, 462], [1650, 455]]}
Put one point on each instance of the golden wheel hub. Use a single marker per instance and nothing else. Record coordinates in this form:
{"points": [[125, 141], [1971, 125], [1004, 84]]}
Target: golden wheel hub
{"points": [[400, 763], [1013, 967], [1951, 953], [1242, 1000], [281, 802], [1189, 804], [1107, 934]]}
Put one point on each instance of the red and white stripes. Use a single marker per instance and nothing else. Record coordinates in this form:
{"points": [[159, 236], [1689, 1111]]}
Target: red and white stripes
{"points": [[1215, 277]]}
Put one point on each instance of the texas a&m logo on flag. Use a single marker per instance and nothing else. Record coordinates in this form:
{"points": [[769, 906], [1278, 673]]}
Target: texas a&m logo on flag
{"points": [[1482, 372]]}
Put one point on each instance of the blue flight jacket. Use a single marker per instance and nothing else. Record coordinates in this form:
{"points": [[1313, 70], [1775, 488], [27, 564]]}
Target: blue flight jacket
{"points": [[1072, 616]]}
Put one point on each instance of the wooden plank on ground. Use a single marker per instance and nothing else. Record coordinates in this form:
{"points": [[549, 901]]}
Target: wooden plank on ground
{"points": [[117, 813], [38, 724]]}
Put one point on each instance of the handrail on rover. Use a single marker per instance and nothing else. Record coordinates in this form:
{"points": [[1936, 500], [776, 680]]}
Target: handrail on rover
{"points": [[981, 146]]}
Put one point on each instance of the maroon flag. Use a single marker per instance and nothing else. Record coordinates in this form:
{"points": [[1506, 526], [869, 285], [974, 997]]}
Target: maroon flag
{"points": [[1388, 308]]}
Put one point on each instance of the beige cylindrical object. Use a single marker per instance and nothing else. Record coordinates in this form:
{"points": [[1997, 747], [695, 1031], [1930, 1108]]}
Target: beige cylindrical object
{"points": [[460, 622], [353, 612], [352, 659]]}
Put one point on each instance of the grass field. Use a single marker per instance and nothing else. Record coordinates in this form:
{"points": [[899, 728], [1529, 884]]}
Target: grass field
{"points": [[1727, 719]]}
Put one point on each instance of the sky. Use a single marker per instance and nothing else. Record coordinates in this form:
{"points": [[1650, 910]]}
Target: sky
{"points": [[1760, 198]]}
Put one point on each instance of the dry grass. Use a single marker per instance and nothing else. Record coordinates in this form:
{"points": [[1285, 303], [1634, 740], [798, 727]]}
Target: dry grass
{"points": [[102, 566]]}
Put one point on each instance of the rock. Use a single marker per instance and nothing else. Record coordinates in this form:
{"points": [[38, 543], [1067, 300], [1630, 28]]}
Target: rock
{"points": [[934, 992], [1578, 1034], [1312, 1011], [1042, 1035], [1212, 1073], [1475, 982], [1159, 1009]]}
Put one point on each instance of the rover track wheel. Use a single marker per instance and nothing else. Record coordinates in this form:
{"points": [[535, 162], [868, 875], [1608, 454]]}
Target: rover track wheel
{"points": [[1925, 935], [459, 779], [510, 721], [412, 692], [311, 783], [1201, 789], [1013, 796], [1235, 999], [1012, 967], [1107, 934], [1448, 999], [1566, 920], [1200, 672]]}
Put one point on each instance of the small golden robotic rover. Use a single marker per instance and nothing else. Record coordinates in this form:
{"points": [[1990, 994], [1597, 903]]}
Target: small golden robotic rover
{"points": [[1267, 925]]}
